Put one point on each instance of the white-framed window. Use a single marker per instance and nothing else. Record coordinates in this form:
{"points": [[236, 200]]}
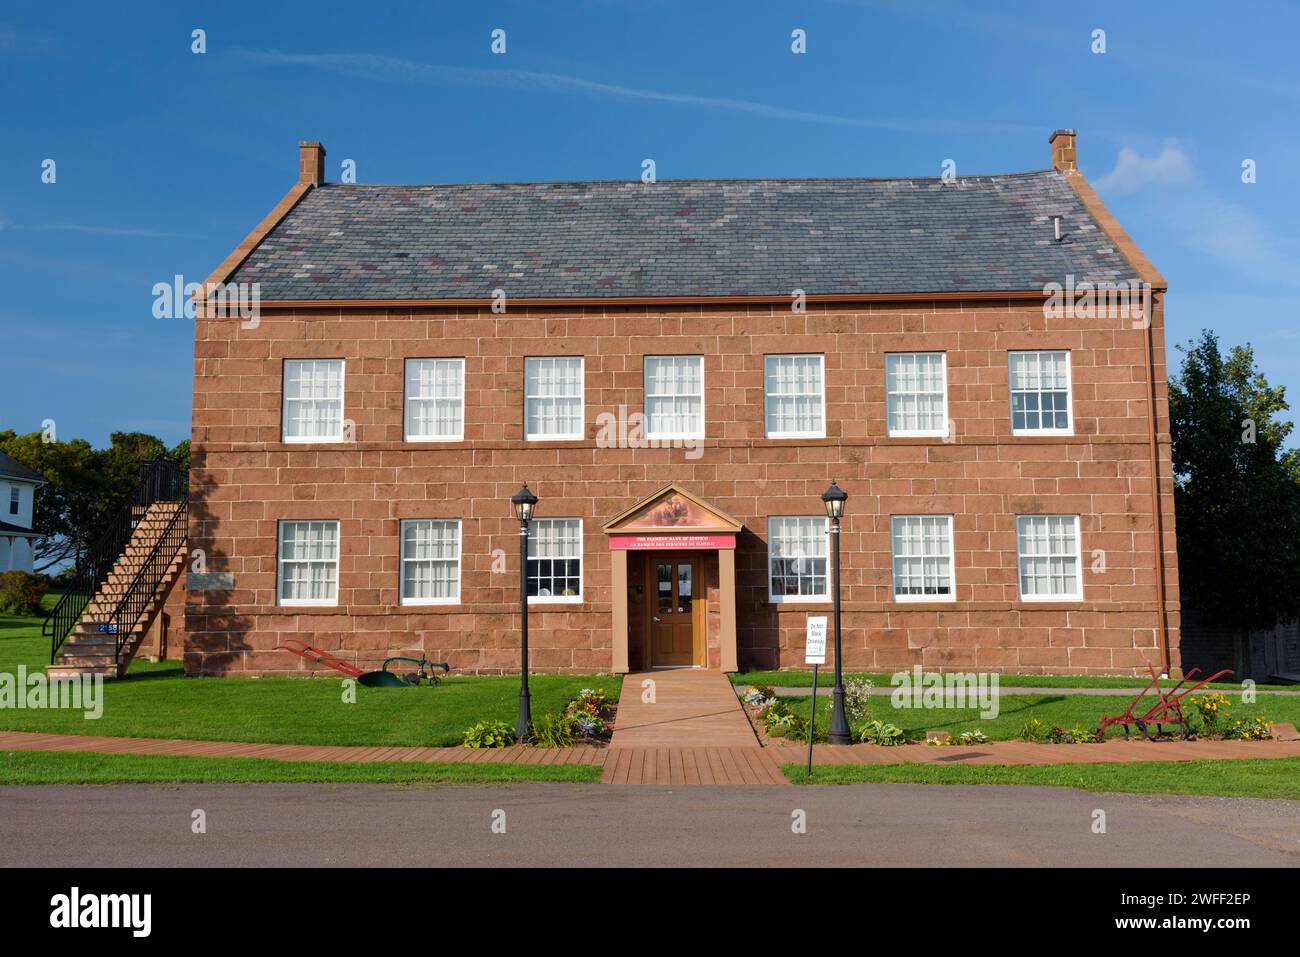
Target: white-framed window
{"points": [[674, 397], [916, 393], [313, 400], [797, 564], [1040, 392], [553, 392], [14, 497], [922, 557], [308, 560], [794, 396], [555, 560], [1047, 552], [435, 400], [431, 561]]}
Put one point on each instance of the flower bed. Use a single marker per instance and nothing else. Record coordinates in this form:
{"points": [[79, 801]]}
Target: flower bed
{"points": [[588, 719]]}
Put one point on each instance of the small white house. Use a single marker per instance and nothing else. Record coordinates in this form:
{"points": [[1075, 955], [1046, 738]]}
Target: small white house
{"points": [[18, 486]]}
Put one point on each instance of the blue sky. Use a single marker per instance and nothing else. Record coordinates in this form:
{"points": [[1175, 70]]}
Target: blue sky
{"points": [[166, 159]]}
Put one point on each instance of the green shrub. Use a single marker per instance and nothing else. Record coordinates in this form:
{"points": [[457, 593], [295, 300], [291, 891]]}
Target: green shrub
{"points": [[1256, 728], [490, 734], [552, 731], [1076, 735], [857, 699], [1032, 730], [785, 725], [588, 714], [21, 593], [1212, 712], [885, 735]]}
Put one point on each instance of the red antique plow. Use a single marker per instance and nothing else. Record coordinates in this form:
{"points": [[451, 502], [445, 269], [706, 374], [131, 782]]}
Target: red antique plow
{"points": [[1167, 710]]}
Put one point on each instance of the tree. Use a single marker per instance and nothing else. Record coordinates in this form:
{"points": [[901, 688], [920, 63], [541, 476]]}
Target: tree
{"points": [[1236, 489], [86, 487]]}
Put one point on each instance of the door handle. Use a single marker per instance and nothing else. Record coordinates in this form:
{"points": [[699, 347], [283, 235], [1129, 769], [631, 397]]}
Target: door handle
{"points": [[655, 617]]}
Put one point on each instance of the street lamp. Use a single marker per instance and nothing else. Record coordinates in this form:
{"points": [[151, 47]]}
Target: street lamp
{"points": [[833, 498], [525, 502]]}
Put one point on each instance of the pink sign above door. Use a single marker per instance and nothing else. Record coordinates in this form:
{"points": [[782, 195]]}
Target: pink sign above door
{"points": [[670, 542]]}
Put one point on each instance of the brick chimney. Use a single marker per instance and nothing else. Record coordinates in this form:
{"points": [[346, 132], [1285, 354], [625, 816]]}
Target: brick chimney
{"points": [[1063, 154], [311, 162]]}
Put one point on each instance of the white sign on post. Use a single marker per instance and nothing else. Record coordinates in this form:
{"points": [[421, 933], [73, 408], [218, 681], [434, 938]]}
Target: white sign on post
{"points": [[815, 644]]}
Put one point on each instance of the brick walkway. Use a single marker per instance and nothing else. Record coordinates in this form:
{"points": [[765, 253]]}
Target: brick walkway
{"points": [[744, 765], [689, 709], [30, 741], [692, 730]]}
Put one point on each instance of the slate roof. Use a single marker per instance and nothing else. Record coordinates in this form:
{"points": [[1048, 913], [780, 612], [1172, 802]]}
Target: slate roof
{"points": [[682, 238], [12, 468]]}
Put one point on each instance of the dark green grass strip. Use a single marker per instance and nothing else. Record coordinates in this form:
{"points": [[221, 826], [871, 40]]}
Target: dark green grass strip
{"points": [[1246, 777], [82, 767]]}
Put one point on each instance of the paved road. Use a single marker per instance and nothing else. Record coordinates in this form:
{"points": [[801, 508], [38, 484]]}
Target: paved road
{"points": [[562, 824]]}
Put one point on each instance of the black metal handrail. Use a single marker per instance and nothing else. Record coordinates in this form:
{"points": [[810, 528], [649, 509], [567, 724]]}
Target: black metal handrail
{"points": [[144, 587], [161, 480]]}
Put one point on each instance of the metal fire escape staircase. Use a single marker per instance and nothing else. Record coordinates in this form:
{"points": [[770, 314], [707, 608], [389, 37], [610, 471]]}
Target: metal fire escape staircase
{"points": [[123, 582]]}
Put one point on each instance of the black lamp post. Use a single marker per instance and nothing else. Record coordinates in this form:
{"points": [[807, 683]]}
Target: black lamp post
{"points": [[833, 498], [525, 502]]}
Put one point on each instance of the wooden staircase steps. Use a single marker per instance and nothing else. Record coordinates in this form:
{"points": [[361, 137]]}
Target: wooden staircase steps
{"points": [[88, 650]]}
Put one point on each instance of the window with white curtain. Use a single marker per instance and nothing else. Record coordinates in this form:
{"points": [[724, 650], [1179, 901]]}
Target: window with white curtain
{"points": [[1047, 548], [308, 563], [794, 391], [431, 561], [922, 557], [797, 549], [313, 400], [553, 397], [435, 400], [555, 560], [916, 393], [1040, 392], [674, 397]]}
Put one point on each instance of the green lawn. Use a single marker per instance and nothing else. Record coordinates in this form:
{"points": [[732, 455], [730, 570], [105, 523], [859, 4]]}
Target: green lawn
{"points": [[156, 700], [1247, 777], [803, 679], [40, 767], [1065, 710]]}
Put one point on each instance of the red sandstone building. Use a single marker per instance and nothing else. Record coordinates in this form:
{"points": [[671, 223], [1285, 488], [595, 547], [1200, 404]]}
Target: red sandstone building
{"points": [[678, 370]]}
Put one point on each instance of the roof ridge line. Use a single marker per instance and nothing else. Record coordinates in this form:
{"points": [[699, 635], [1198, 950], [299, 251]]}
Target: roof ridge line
{"points": [[686, 180]]}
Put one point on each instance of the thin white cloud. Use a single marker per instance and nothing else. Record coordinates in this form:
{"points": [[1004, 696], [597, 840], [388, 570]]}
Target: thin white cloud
{"points": [[372, 66], [93, 230], [16, 42], [1166, 188], [1133, 170]]}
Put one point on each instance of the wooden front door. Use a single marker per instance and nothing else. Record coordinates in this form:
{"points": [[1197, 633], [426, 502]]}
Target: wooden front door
{"points": [[676, 609]]}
